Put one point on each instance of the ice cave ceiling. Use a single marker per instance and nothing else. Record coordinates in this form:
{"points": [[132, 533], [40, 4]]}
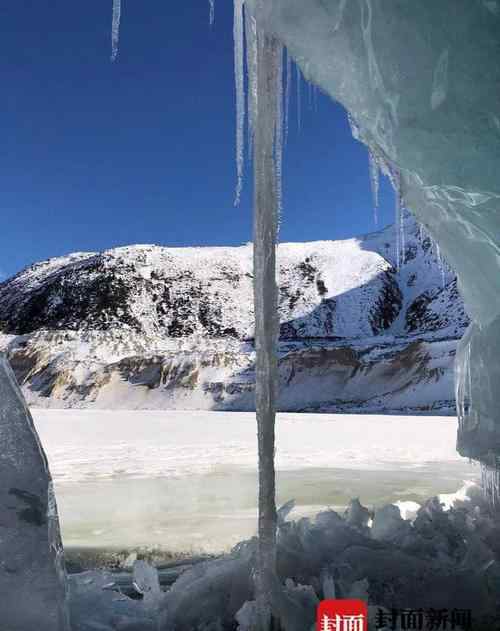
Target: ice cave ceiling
{"points": [[422, 82]]}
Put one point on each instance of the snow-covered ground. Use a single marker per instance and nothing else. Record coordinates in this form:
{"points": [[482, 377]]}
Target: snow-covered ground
{"points": [[186, 481]]}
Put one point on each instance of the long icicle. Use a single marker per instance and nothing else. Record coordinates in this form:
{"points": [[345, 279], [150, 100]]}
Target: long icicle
{"points": [[239, 44], [265, 127], [402, 225], [374, 183], [288, 88], [398, 202], [115, 30], [251, 48], [279, 133], [299, 100], [212, 11], [266, 205]]}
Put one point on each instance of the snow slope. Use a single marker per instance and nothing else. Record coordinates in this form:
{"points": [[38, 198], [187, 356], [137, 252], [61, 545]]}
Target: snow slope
{"points": [[152, 327]]}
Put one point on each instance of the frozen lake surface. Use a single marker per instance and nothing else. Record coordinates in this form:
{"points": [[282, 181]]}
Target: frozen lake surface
{"points": [[186, 481]]}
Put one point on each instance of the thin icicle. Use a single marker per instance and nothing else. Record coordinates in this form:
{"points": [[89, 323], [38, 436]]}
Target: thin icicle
{"points": [[279, 121], [288, 89], [374, 183], [212, 11], [400, 219], [299, 100], [115, 31], [397, 225], [240, 95], [469, 378], [440, 263], [402, 227], [251, 47]]}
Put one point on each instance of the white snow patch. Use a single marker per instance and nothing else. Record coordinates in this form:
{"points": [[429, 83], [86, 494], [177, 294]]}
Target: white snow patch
{"points": [[96, 444]]}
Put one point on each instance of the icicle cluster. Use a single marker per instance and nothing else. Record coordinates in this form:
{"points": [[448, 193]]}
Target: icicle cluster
{"points": [[246, 32], [115, 30], [490, 483]]}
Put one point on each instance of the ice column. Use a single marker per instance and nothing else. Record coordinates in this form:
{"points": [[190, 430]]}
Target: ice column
{"points": [[267, 144], [32, 573]]}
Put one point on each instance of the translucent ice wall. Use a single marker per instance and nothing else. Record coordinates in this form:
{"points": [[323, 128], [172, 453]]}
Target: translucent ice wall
{"points": [[32, 573], [421, 81]]}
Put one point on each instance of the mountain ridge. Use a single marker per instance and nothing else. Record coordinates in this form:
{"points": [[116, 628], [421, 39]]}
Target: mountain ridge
{"points": [[150, 326]]}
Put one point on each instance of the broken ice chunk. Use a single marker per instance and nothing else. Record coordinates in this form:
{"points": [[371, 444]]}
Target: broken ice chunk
{"points": [[356, 515], [388, 525], [32, 574]]}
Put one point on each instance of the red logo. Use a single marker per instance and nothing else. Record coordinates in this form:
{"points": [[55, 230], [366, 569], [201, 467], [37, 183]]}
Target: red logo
{"points": [[342, 615]]}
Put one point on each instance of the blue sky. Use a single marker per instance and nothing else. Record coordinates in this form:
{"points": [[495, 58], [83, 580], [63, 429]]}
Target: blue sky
{"points": [[95, 155]]}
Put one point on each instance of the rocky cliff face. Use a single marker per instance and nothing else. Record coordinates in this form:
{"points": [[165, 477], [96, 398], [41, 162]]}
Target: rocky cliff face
{"points": [[150, 327]]}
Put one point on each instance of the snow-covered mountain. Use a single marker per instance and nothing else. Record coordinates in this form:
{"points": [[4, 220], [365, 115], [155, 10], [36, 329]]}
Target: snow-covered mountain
{"points": [[149, 327]]}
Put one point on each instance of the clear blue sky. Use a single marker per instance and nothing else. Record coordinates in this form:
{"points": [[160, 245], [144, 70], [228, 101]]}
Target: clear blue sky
{"points": [[95, 155]]}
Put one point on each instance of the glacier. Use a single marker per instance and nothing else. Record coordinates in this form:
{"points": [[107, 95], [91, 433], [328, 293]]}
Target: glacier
{"points": [[421, 81]]}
